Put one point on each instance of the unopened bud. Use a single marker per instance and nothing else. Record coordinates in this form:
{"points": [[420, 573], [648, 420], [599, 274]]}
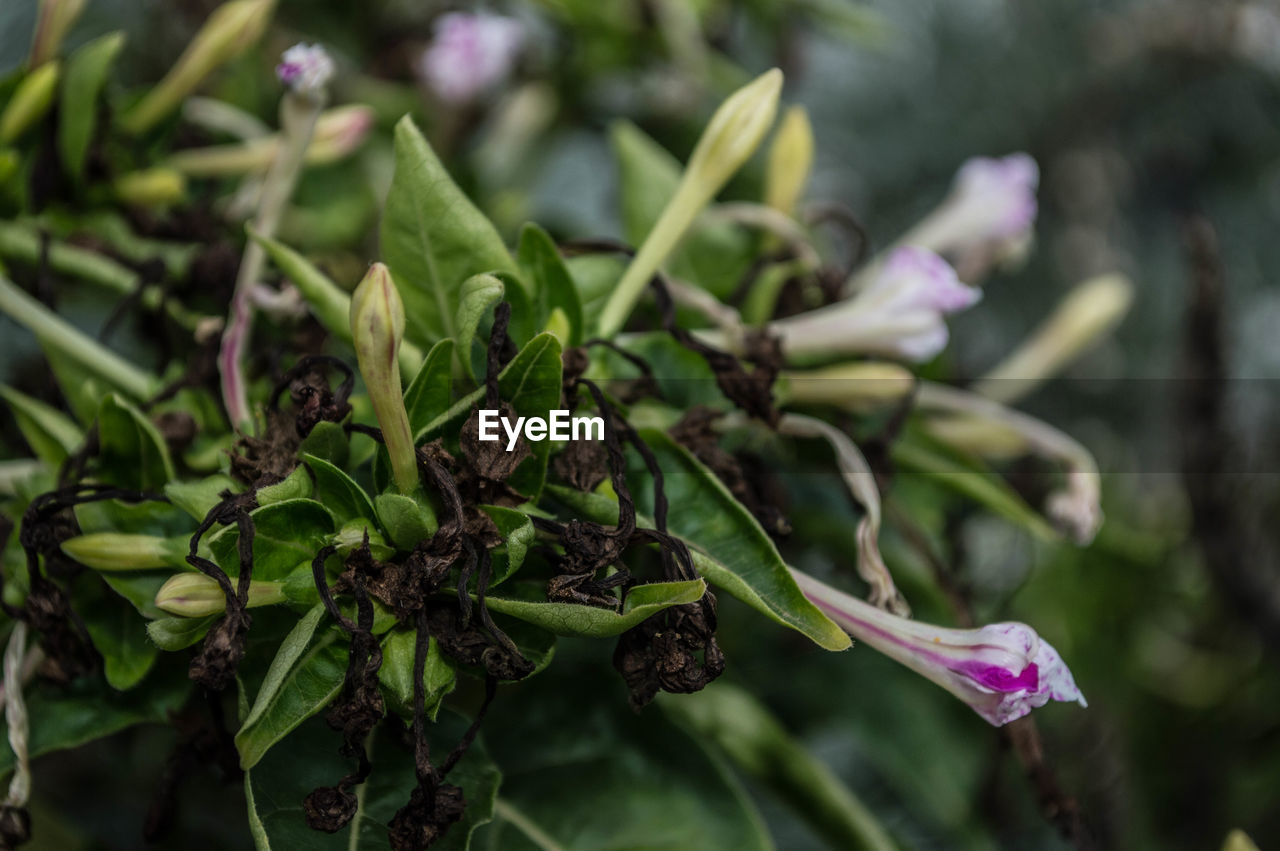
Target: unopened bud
{"points": [[30, 101], [338, 132], [194, 595], [53, 21], [377, 328], [1088, 313], [116, 551], [855, 387], [230, 30], [790, 161], [731, 137], [153, 187]]}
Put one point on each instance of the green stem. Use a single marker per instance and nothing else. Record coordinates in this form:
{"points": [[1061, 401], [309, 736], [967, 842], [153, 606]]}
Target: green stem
{"points": [[521, 822], [55, 331], [22, 242]]}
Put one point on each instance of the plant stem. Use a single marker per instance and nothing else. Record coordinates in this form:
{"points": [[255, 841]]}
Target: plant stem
{"points": [[298, 114], [55, 331]]}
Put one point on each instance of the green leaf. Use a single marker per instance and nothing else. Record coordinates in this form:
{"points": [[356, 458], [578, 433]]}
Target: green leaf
{"points": [[406, 520], [743, 560], [85, 75], [285, 534], [431, 390], [478, 294], [553, 286], [518, 535], [64, 717], [140, 589], [309, 758], [643, 601], [296, 485], [396, 674], [306, 674], [433, 239], [132, 452], [199, 497], [339, 492], [328, 441], [51, 434], [915, 454], [715, 256], [120, 636], [173, 634], [531, 384], [561, 788], [758, 744]]}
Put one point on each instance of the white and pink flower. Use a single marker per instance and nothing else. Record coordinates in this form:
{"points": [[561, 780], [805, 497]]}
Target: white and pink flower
{"points": [[305, 68], [900, 313], [470, 54], [1002, 670], [991, 209]]}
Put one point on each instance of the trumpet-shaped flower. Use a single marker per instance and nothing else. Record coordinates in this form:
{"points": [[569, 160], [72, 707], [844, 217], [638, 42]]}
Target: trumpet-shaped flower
{"points": [[470, 54], [992, 204], [899, 314], [1002, 670]]}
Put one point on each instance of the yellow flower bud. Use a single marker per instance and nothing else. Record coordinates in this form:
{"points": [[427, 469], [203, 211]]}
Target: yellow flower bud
{"points": [[53, 21], [730, 138], [338, 132], [153, 187], [1089, 312], [230, 30], [790, 161], [377, 328], [194, 595], [115, 551], [31, 100], [856, 387]]}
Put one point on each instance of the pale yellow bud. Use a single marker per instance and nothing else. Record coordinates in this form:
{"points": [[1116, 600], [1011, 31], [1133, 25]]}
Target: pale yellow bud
{"points": [[194, 595], [153, 187], [377, 328], [30, 101], [116, 551], [790, 161], [232, 28], [1088, 313], [53, 21], [338, 132], [730, 138], [856, 387]]}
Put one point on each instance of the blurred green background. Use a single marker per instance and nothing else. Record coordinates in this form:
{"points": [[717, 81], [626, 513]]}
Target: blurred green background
{"points": [[1146, 118]]}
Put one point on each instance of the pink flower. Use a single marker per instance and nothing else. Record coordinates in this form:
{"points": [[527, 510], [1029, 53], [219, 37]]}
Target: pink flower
{"points": [[991, 208], [1002, 670], [898, 314], [470, 54], [305, 68]]}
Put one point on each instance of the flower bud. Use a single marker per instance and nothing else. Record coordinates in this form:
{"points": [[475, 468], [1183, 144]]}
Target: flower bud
{"points": [[899, 313], [377, 327], [116, 551], [732, 135], [790, 161], [338, 132], [231, 29], [30, 101], [53, 20], [194, 595], [1002, 671], [154, 187], [859, 387], [305, 68], [1089, 312]]}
